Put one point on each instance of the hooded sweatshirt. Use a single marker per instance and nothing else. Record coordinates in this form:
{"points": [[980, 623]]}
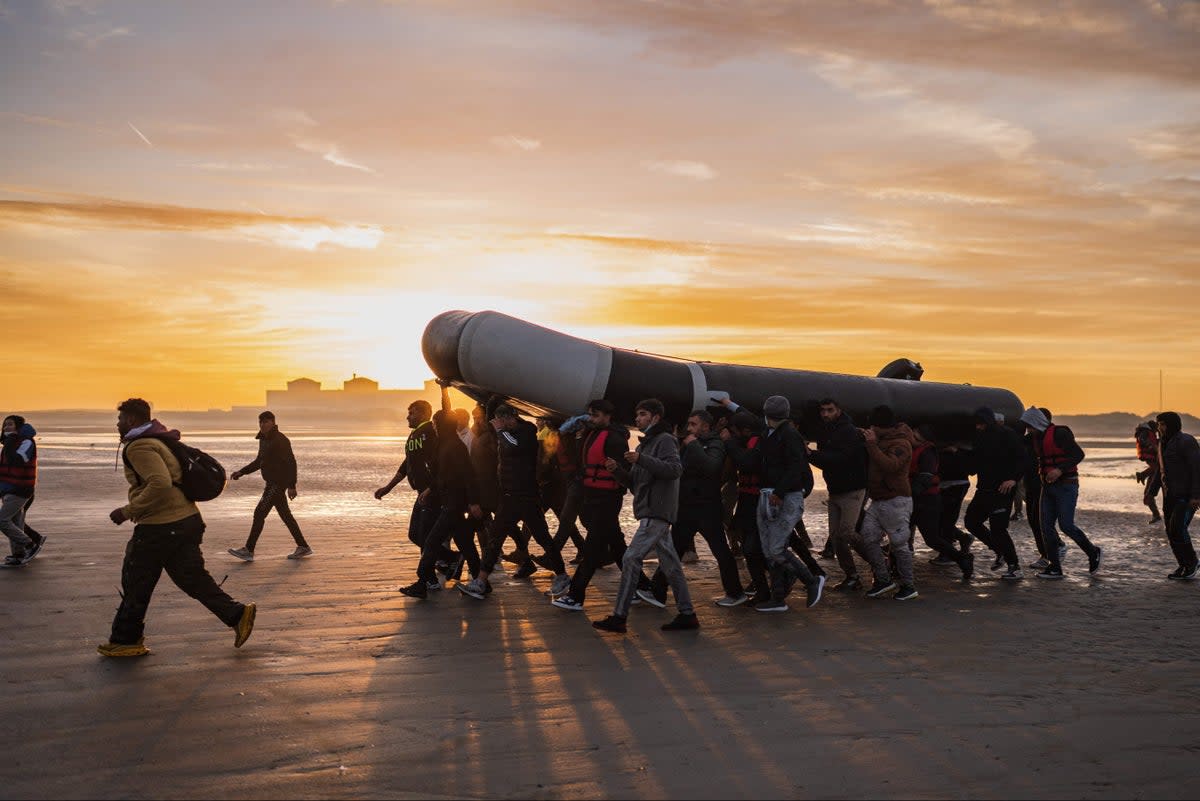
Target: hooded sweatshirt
{"points": [[1180, 458], [655, 478], [153, 474]]}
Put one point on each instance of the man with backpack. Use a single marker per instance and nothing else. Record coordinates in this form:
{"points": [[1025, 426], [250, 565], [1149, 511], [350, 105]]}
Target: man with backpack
{"points": [[278, 465], [167, 533]]}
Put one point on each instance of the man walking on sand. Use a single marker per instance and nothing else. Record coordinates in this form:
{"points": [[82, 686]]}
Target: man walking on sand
{"points": [[167, 533], [1179, 458], [652, 471], [278, 465]]}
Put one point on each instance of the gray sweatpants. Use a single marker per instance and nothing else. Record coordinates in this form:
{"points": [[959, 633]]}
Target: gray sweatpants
{"points": [[12, 523], [652, 534], [775, 526], [889, 517]]}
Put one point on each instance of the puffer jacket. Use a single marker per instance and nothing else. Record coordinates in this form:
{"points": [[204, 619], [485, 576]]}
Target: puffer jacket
{"points": [[888, 460]]}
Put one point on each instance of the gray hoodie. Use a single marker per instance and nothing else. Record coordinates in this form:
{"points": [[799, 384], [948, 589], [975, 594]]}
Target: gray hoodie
{"points": [[1034, 418], [655, 478]]}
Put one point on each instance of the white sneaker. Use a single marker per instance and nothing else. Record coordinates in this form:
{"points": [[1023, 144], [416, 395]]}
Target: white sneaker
{"points": [[474, 588], [242, 553], [730, 600], [568, 603]]}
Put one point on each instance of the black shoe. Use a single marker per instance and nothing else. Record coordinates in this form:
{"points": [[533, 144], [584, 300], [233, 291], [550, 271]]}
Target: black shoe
{"points": [[849, 584], [1053, 573], [968, 565], [814, 591], [1094, 559], [905, 593], [1155, 519], [611, 623], [1189, 573], [527, 569], [999, 563], [879, 589], [416, 590], [680, 623]]}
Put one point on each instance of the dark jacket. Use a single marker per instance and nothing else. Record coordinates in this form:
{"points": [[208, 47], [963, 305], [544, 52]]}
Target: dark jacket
{"points": [[420, 457], [997, 455], [517, 449], [655, 477], [18, 462], [785, 461], [484, 461], [275, 458], [703, 464], [1180, 466], [455, 482], [842, 456]]}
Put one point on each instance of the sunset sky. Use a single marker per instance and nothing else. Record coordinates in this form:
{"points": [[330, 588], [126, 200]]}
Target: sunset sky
{"points": [[201, 201]]}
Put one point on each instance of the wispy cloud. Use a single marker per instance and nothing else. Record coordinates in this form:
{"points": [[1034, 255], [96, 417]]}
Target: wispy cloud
{"points": [[304, 233], [92, 35], [696, 170], [513, 142], [331, 153], [141, 135]]}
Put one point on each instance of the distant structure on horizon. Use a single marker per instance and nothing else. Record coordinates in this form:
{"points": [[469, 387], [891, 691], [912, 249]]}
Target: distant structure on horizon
{"points": [[358, 397]]}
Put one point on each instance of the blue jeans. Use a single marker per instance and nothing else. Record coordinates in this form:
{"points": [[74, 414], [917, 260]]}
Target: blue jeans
{"points": [[1179, 514], [1058, 507]]}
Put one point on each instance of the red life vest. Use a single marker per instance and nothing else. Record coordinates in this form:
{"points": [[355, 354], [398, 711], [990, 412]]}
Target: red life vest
{"points": [[21, 475], [1147, 447], [595, 475], [935, 487], [749, 482], [1053, 456]]}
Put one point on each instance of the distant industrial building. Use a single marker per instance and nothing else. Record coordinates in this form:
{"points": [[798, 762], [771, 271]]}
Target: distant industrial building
{"points": [[359, 396]]}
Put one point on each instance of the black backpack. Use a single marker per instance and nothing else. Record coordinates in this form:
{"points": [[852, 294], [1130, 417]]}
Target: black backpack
{"points": [[203, 476]]}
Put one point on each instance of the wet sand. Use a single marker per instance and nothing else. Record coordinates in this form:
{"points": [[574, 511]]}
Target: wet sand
{"points": [[1085, 688]]}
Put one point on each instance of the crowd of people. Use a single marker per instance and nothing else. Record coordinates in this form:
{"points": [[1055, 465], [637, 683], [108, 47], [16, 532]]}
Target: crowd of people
{"points": [[740, 481], [737, 479]]}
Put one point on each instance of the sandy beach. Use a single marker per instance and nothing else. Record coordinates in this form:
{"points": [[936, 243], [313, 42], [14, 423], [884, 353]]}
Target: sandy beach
{"points": [[1084, 688]]}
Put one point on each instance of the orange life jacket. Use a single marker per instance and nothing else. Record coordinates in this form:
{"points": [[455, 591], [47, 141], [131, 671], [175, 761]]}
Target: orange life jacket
{"points": [[595, 475]]}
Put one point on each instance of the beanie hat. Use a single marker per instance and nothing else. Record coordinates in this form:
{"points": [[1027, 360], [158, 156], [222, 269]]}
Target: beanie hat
{"points": [[1171, 421], [882, 416], [777, 407], [984, 414]]}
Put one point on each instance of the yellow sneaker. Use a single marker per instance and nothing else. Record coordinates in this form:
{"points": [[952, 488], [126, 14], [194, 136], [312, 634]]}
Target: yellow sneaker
{"points": [[244, 626], [123, 649]]}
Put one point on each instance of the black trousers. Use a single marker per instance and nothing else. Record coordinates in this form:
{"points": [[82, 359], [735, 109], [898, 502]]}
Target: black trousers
{"points": [[987, 518], [274, 497], [568, 515], [600, 514], [1179, 513], [421, 522], [745, 520], [175, 548], [1033, 514], [456, 525], [707, 519], [514, 510], [952, 501]]}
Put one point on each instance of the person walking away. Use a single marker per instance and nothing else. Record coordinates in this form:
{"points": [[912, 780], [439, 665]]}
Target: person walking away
{"points": [[1179, 458], [18, 480], [167, 533], [652, 471], [278, 465], [1146, 436]]}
